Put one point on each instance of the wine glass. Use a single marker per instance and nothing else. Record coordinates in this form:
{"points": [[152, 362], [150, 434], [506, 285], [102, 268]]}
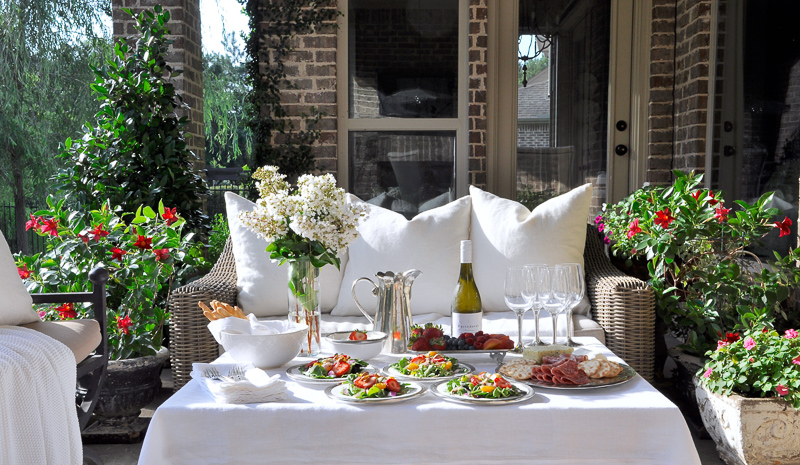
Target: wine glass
{"points": [[559, 295], [518, 297], [539, 290], [576, 290]]}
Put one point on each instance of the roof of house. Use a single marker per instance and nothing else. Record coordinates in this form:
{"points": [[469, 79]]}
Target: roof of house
{"points": [[533, 100]]}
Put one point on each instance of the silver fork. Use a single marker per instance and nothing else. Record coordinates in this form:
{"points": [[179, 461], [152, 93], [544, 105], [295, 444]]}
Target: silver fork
{"points": [[236, 373], [213, 373]]}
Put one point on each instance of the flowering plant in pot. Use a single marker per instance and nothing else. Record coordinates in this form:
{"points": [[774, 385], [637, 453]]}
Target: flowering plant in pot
{"points": [[143, 256], [707, 283], [305, 227]]}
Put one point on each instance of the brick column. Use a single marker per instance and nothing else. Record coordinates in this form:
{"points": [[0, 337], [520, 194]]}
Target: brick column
{"points": [[185, 54], [662, 87], [478, 41]]}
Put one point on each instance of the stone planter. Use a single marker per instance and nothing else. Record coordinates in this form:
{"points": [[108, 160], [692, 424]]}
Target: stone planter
{"points": [[751, 431], [130, 385]]}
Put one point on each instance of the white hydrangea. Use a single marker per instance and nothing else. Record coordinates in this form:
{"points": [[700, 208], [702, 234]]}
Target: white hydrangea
{"points": [[317, 211]]}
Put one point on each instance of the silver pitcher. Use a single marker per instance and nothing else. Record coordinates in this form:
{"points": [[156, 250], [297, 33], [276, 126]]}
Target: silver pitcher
{"points": [[393, 315]]}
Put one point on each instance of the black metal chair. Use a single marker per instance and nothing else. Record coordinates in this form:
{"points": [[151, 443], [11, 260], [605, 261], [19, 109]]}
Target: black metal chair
{"points": [[91, 370]]}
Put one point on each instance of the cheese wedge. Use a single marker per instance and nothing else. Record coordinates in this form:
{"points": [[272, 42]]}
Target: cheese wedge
{"points": [[536, 353]]}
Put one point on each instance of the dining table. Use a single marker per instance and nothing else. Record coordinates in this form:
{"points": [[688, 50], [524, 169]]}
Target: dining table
{"points": [[626, 423]]}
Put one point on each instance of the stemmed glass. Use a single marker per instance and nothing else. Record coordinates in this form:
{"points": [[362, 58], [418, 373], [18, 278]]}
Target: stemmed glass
{"points": [[576, 291], [518, 297], [559, 295], [539, 290]]}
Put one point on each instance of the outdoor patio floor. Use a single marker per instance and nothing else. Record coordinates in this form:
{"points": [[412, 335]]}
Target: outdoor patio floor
{"points": [[128, 454]]}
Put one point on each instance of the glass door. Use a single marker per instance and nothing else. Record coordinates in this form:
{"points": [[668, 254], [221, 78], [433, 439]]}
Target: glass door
{"points": [[756, 131]]}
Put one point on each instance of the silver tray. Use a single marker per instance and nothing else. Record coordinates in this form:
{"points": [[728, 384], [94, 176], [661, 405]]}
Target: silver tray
{"points": [[626, 375], [440, 390], [296, 373], [335, 393], [463, 369]]}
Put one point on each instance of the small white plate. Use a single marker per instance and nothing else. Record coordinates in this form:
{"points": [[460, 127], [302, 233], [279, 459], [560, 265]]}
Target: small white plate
{"points": [[336, 392], [463, 369], [296, 373], [440, 390]]}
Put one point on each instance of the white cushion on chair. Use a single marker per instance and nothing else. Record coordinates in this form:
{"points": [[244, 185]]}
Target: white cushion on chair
{"points": [[387, 241], [505, 233], [262, 284], [17, 307]]}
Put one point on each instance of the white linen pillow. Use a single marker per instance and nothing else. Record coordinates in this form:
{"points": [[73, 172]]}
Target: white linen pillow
{"points": [[262, 284], [17, 308], [505, 233], [387, 241]]}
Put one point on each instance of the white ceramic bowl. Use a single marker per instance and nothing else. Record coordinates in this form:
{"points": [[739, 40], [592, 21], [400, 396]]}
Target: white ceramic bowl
{"points": [[264, 350], [364, 350]]}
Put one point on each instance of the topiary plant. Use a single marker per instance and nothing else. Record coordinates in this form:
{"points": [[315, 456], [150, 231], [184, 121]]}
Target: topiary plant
{"points": [[136, 152]]}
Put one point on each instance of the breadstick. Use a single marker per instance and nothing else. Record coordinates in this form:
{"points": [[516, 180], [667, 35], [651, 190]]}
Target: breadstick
{"points": [[238, 313], [209, 315]]}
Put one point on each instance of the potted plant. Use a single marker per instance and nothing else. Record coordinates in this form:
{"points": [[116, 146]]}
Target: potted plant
{"points": [[144, 253], [749, 397]]}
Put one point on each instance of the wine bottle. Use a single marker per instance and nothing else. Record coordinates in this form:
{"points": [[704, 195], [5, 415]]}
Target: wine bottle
{"points": [[466, 311]]}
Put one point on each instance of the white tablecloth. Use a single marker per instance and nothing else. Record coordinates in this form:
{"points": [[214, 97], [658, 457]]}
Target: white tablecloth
{"points": [[627, 424]]}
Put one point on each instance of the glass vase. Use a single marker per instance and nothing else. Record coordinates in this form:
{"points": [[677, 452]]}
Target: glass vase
{"points": [[304, 302]]}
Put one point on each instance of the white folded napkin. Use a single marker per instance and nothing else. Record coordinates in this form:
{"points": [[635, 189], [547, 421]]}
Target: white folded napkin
{"points": [[257, 387]]}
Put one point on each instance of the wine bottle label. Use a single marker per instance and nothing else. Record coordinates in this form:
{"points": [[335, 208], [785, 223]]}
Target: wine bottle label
{"points": [[466, 251], [466, 323]]}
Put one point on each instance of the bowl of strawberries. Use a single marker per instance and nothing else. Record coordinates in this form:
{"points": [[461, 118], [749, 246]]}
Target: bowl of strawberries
{"points": [[359, 344]]}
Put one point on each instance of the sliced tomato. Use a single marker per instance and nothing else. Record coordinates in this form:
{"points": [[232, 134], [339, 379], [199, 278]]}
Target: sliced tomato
{"points": [[501, 382], [358, 336], [341, 369], [419, 359], [365, 381], [393, 385], [474, 380]]}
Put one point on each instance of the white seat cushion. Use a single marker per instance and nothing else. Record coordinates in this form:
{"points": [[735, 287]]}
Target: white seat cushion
{"points": [[17, 308], [81, 336], [387, 241], [505, 233], [262, 284]]}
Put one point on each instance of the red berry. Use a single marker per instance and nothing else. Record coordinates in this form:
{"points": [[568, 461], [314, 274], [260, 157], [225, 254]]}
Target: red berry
{"points": [[479, 345], [467, 335], [481, 339], [479, 333], [420, 345], [471, 341], [432, 333]]}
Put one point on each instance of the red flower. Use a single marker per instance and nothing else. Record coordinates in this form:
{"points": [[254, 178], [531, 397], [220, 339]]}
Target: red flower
{"points": [[784, 226], [50, 226], [634, 228], [721, 214], [731, 337], [33, 223], [67, 311], [663, 218], [124, 324], [169, 215], [116, 254], [24, 273], [99, 232], [161, 254], [143, 242], [781, 390], [712, 201], [84, 238], [696, 195], [796, 360]]}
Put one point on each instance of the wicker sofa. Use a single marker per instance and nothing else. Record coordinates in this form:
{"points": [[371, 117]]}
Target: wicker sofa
{"points": [[623, 306]]}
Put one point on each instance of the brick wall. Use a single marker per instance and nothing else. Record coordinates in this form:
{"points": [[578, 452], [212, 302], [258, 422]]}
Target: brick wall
{"points": [[185, 54], [478, 41], [533, 135]]}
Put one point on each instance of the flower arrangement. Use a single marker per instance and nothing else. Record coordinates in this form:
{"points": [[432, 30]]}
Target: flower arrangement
{"points": [[306, 227], [762, 364], [706, 281], [143, 258]]}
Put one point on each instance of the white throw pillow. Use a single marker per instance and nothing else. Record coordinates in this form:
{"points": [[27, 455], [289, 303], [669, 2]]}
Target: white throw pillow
{"points": [[505, 233], [17, 308], [262, 284], [387, 241]]}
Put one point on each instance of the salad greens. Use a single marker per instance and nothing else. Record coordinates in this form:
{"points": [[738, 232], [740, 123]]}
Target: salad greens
{"points": [[482, 386], [430, 365], [337, 366], [371, 386]]}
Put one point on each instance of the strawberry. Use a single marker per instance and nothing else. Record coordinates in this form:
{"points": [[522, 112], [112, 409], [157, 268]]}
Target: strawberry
{"points": [[437, 343], [358, 335], [420, 345], [393, 385], [432, 331], [416, 331]]}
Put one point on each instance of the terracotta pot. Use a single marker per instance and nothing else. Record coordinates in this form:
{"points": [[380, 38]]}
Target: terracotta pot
{"points": [[129, 385], [751, 431]]}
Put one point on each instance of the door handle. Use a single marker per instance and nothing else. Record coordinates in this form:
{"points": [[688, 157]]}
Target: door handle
{"points": [[621, 149], [729, 151]]}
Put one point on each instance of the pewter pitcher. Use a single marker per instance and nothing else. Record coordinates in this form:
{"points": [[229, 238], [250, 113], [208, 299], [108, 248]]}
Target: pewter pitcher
{"points": [[393, 315]]}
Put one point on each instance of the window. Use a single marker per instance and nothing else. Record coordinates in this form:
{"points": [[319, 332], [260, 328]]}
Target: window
{"points": [[402, 91]]}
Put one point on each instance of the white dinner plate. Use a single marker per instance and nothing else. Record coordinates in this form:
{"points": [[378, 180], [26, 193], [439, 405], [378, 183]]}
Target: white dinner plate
{"points": [[463, 369], [626, 375], [296, 373], [336, 392], [440, 390]]}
